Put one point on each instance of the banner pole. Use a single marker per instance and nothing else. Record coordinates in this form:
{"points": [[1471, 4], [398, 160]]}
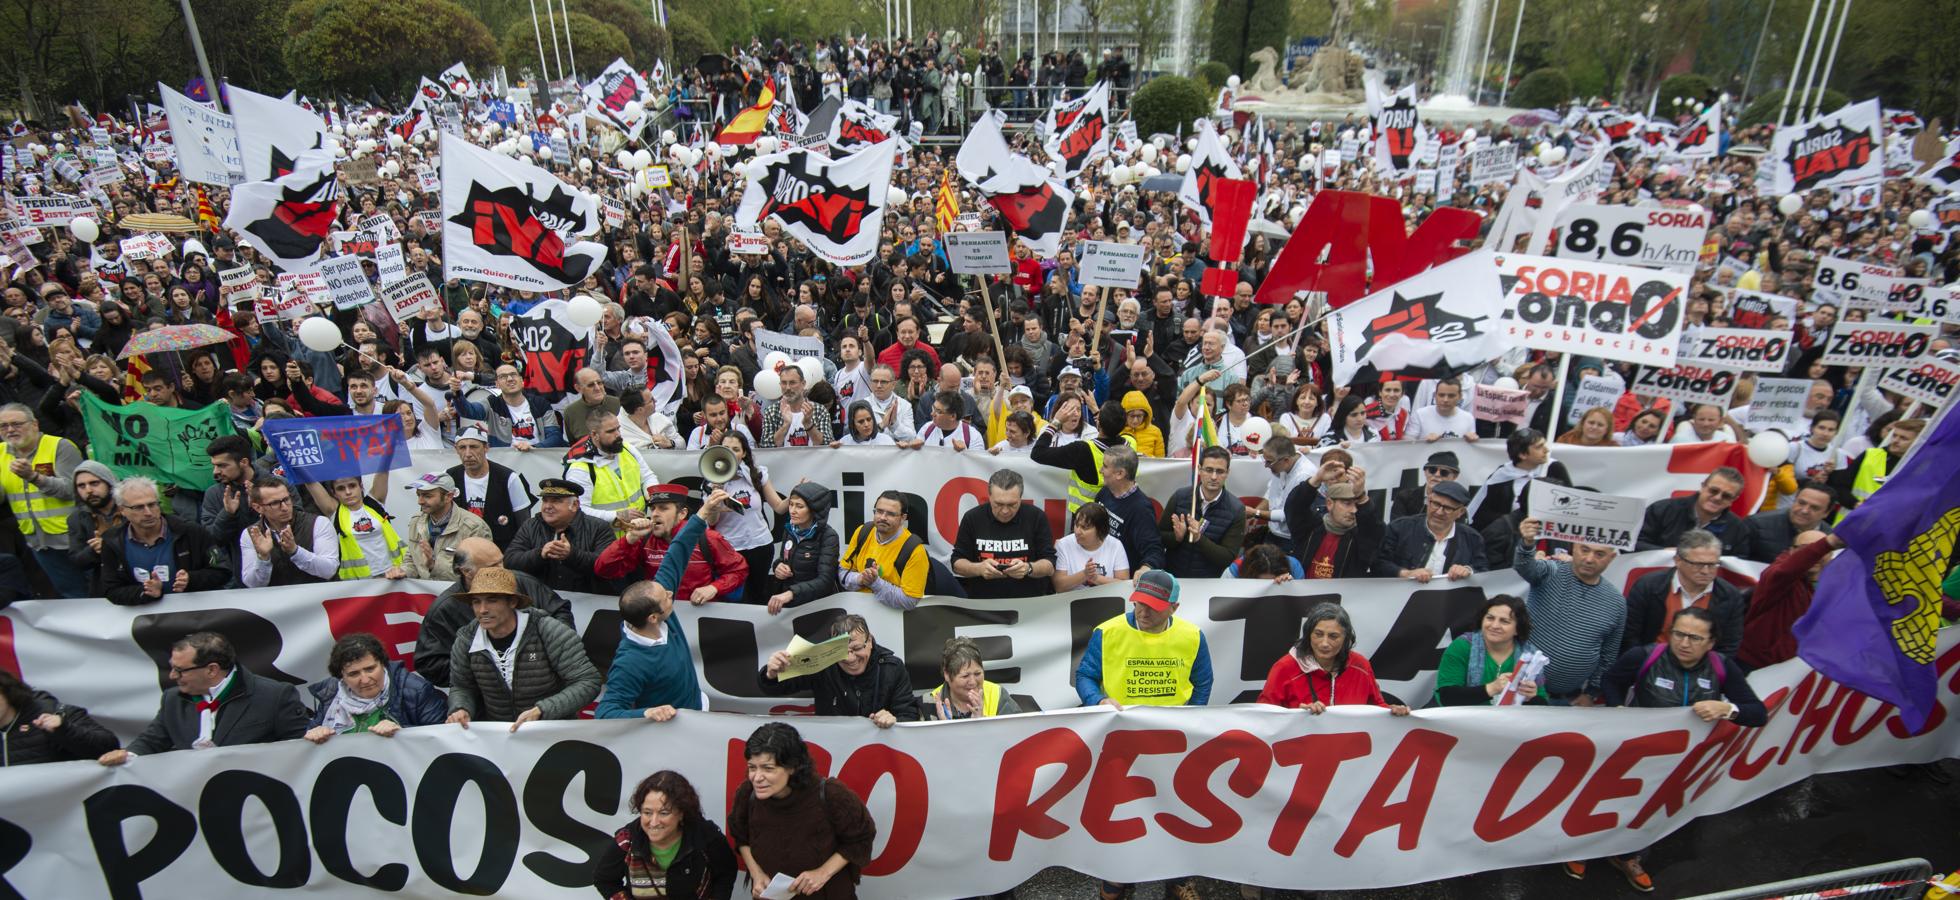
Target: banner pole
{"points": [[1558, 397], [993, 324], [1102, 309]]}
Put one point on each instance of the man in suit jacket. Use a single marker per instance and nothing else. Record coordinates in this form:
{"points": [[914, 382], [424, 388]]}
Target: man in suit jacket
{"points": [[1408, 547], [1693, 581], [216, 704]]}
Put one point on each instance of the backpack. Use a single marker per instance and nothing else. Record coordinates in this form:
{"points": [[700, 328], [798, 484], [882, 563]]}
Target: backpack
{"points": [[939, 579], [1714, 657]]}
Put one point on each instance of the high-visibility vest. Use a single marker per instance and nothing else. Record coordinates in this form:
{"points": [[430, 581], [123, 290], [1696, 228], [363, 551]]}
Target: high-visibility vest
{"points": [[989, 698], [353, 564], [35, 511], [1079, 491], [614, 490], [1871, 467], [1147, 669]]}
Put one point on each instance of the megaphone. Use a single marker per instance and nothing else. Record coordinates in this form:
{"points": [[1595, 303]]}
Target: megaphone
{"points": [[718, 464]]}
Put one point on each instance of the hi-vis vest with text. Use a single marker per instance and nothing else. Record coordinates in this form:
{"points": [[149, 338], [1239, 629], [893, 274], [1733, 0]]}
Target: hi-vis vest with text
{"points": [[1871, 467], [353, 564], [1148, 669], [34, 510], [616, 490]]}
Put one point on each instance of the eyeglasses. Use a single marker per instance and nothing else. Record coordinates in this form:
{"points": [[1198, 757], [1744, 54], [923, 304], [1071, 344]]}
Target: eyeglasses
{"points": [[179, 670], [274, 504], [1686, 638], [1445, 507], [1721, 493], [1699, 565]]}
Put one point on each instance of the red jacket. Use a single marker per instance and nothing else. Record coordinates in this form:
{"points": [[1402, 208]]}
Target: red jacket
{"points": [[1782, 596], [1292, 685], [714, 562], [894, 356]]}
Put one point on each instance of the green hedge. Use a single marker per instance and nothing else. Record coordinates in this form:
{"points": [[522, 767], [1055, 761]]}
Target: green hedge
{"points": [[1763, 110], [1167, 102], [1543, 89]]}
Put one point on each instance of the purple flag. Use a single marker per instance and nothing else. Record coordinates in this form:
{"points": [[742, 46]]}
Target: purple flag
{"points": [[1876, 616]]}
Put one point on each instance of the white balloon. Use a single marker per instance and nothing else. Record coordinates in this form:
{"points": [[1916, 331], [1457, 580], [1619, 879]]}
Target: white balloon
{"points": [[667, 137], [1789, 204], [1553, 155], [358, 153], [1232, 81], [1469, 134], [775, 360], [1507, 383], [1149, 172], [392, 167], [768, 385], [365, 145], [1257, 432], [1148, 153], [728, 149], [1769, 449], [338, 130], [896, 197], [741, 169], [84, 229], [584, 311], [691, 158], [624, 158], [320, 335], [1920, 219], [558, 133], [1306, 162], [396, 141], [1191, 143], [1183, 163], [1120, 175], [812, 369], [641, 158], [766, 145], [633, 110], [585, 164]]}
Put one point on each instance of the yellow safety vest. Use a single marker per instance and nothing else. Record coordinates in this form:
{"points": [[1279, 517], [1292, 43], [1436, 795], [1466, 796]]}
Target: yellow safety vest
{"points": [[989, 698], [1079, 491], [1870, 469], [616, 490], [353, 563], [33, 509], [1143, 669]]}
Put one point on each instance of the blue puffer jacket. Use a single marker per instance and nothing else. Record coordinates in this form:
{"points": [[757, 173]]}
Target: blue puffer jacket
{"points": [[412, 700]]}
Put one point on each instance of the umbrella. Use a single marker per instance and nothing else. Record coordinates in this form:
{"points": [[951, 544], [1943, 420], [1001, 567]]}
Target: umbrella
{"points": [[157, 222], [713, 64], [1165, 183], [171, 338]]}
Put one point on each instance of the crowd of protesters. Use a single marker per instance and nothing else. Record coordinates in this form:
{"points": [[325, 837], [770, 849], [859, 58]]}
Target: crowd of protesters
{"points": [[912, 364]]}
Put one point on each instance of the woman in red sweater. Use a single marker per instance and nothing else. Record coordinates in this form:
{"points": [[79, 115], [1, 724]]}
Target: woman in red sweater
{"points": [[1322, 670]]}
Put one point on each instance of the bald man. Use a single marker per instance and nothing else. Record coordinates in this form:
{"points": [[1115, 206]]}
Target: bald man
{"points": [[448, 615]]}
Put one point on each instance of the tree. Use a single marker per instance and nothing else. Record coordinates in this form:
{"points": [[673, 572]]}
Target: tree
{"points": [[594, 46], [354, 46], [647, 39], [1765, 108], [1543, 89], [1214, 74], [1149, 21], [729, 22], [1167, 103], [1239, 27], [691, 38]]}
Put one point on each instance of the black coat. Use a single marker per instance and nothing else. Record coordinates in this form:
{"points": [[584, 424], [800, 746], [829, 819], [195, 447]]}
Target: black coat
{"points": [[257, 711], [79, 737], [412, 700], [1647, 611], [1769, 534], [1407, 543], [1354, 556], [704, 867], [1500, 499], [447, 616], [588, 536], [884, 685], [1667, 520], [191, 551]]}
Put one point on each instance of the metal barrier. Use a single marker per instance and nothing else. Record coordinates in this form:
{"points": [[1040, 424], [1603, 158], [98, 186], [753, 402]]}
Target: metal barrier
{"points": [[1903, 879]]}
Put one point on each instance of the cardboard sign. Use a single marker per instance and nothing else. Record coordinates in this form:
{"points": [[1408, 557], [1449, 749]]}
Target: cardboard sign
{"points": [[967, 221], [1779, 404], [50, 212], [1585, 517], [659, 177], [1595, 391], [613, 211], [1688, 383], [1738, 348], [431, 221], [297, 295], [1593, 308], [104, 175], [1754, 309], [1493, 164], [143, 247], [1633, 236], [381, 225], [346, 281], [1855, 282], [1490, 403], [1929, 380], [795, 346], [427, 179], [1109, 264], [390, 263], [238, 283], [748, 243], [1938, 304], [980, 253], [360, 171], [1877, 343], [409, 296], [354, 243]]}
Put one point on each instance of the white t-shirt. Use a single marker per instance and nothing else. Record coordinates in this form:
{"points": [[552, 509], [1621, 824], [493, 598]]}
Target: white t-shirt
{"points": [[366, 529], [1070, 558], [746, 526], [881, 439], [1428, 420]]}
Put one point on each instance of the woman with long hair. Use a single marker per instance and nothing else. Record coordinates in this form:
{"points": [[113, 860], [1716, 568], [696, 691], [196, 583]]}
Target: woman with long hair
{"points": [[787, 820], [1350, 423], [1322, 669], [1595, 429], [744, 522]]}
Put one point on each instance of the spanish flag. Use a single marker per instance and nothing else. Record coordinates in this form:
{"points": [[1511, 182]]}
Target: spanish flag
{"points": [[947, 207], [748, 124]]}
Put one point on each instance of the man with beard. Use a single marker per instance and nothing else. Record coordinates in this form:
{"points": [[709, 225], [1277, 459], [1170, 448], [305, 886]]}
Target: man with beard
{"points": [[794, 420], [470, 323], [436, 530], [94, 515], [714, 422], [448, 614], [713, 570], [610, 472], [559, 546], [592, 398], [511, 664], [642, 423], [496, 494]]}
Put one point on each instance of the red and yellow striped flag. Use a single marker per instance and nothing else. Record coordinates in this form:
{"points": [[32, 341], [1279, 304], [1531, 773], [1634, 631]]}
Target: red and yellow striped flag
{"points": [[207, 215], [947, 208], [748, 124]]}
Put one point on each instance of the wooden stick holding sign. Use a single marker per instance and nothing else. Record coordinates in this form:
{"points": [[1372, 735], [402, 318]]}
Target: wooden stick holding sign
{"points": [[982, 253], [1109, 265]]}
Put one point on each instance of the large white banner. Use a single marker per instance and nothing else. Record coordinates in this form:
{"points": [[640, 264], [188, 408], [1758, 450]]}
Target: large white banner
{"points": [[1836, 148], [1033, 644], [205, 140], [836, 207], [272, 133], [1593, 308], [1246, 794], [511, 223]]}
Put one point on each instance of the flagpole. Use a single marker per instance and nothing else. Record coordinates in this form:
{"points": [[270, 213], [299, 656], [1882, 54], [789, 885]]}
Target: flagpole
{"points": [[1830, 62], [570, 55], [1790, 90], [1558, 397], [551, 25], [539, 34], [203, 64]]}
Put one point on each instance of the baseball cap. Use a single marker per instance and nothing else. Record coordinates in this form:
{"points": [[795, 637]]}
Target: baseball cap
{"points": [[432, 481], [473, 432], [1453, 491], [1021, 390], [1069, 370], [1156, 589]]}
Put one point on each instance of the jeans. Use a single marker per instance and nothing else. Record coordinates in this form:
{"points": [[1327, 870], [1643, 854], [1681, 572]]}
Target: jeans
{"points": [[69, 581]]}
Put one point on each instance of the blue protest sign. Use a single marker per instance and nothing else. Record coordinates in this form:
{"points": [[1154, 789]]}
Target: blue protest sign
{"points": [[323, 448]]}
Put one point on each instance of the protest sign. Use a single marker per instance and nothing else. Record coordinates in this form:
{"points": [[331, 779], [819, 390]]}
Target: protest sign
{"points": [[795, 346], [1491, 403], [1633, 236], [1586, 517], [1927, 381], [204, 140], [1594, 391], [323, 448], [138, 248], [381, 225], [1493, 164], [1688, 383], [979, 253], [968, 221], [1425, 181], [409, 296], [390, 263], [354, 243], [360, 171], [1593, 308], [613, 210], [1744, 349], [1939, 303], [1754, 309], [1844, 146], [239, 284], [49, 212], [1109, 264], [659, 177], [1866, 284], [1779, 404], [748, 242], [1876, 343], [427, 179], [346, 281], [102, 176], [155, 441]]}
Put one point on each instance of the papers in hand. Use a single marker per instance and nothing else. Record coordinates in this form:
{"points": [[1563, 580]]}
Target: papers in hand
{"points": [[778, 887], [806, 658], [1530, 667]]}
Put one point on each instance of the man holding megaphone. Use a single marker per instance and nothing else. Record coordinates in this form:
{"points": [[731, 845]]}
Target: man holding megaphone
{"points": [[714, 571]]}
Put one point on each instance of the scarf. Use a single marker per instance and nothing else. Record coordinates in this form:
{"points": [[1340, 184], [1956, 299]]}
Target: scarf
{"points": [[799, 535], [1478, 654], [345, 707], [1505, 474], [1334, 529]]}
